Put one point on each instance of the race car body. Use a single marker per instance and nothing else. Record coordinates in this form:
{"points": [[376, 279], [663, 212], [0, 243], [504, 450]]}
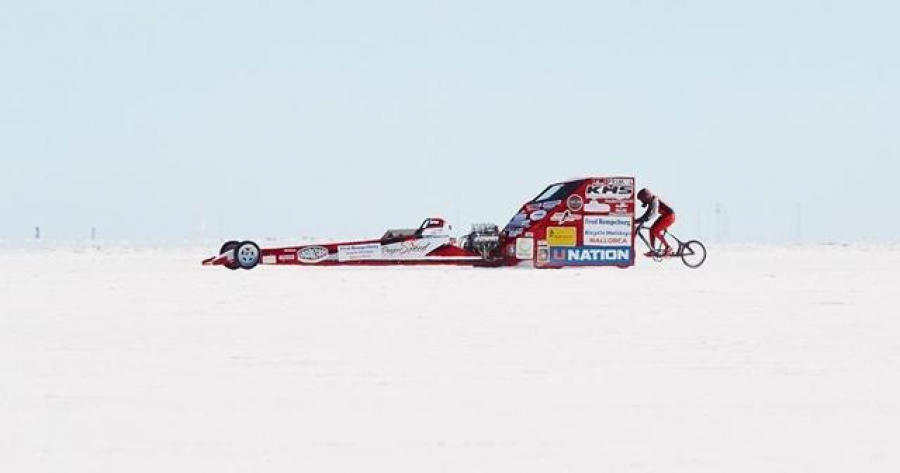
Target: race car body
{"points": [[431, 243], [582, 222]]}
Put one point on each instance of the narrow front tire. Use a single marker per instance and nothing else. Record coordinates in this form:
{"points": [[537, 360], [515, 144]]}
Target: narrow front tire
{"points": [[247, 255]]}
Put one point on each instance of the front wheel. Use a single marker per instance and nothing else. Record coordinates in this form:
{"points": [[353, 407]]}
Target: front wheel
{"points": [[693, 254], [247, 255]]}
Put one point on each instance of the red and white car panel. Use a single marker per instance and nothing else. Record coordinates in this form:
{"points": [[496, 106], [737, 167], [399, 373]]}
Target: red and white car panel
{"points": [[431, 243], [582, 222]]}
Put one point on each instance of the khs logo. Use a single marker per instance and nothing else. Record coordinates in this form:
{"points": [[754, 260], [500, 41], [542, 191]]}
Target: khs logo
{"points": [[599, 190]]}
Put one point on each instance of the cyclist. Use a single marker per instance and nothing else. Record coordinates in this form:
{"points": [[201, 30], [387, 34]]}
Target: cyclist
{"points": [[665, 220]]}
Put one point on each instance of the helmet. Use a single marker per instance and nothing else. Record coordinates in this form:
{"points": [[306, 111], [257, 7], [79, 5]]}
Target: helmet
{"points": [[644, 195]]}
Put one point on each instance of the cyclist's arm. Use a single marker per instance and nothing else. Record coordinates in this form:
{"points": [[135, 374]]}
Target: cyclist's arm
{"points": [[651, 211]]}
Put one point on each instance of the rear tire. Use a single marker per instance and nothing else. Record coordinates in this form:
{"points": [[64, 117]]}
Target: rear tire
{"points": [[247, 255], [693, 254], [230, 246]]}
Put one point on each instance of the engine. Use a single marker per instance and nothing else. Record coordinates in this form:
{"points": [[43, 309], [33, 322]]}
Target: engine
{"points": [[484, 240]]}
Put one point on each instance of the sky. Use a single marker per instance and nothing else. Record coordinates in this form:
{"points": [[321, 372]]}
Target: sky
{"points": [[169, 120]]}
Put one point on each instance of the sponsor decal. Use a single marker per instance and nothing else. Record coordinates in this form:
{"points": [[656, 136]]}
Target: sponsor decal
{"points": [[517, 224], [519, 220], [607, 231], [551, 204], [543, 252], [574, 203], [269, 259], [520, 225], [620, 181], [287, 258], [617, 189], [312, 254], [596, 207], [622, 208], [409, 249], [537, 215], [368, 251], [514, 232], [565, 217], [524, 248], [562, 236], [590, 256]]}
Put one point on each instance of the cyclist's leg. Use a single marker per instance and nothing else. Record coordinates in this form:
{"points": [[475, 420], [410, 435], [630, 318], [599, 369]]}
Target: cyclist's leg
{"points": [[659, 227], [652, 243]]}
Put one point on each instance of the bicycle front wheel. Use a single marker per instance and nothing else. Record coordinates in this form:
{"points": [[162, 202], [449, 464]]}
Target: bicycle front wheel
{"points": [[693, 254]]}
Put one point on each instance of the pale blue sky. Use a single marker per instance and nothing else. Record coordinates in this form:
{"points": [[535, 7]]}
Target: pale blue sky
{"points": [[342, 118]]}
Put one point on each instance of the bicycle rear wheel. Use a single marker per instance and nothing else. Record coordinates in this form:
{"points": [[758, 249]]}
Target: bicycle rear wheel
{"points": [[693, 254]]}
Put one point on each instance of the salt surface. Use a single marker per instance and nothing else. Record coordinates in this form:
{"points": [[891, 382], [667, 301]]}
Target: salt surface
{"points": [[767, 359]]}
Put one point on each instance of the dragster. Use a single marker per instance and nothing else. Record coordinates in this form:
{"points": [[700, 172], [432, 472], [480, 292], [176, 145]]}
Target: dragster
{"points": [[580, 222]]}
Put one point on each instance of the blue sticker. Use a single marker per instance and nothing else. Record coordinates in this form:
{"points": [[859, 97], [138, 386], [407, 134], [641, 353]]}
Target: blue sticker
{"points": [[590, 256]]}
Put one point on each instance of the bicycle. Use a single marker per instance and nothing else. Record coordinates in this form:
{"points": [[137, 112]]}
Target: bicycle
{"points": [[692, 252]]}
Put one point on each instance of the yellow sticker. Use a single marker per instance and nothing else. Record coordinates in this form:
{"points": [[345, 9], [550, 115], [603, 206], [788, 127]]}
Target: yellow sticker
{"points": [[561, 236]]}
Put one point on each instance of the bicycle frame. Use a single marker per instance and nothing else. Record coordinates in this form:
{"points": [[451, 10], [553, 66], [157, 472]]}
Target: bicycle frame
{"points": [[666, 233], [685, 250]]}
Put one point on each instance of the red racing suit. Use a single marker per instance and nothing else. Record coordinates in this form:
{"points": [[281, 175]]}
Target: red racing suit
{"points": [[665, 220]]}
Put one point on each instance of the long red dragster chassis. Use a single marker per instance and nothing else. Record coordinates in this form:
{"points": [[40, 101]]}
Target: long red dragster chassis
{"points": [[582, 222], [356, 253]]}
